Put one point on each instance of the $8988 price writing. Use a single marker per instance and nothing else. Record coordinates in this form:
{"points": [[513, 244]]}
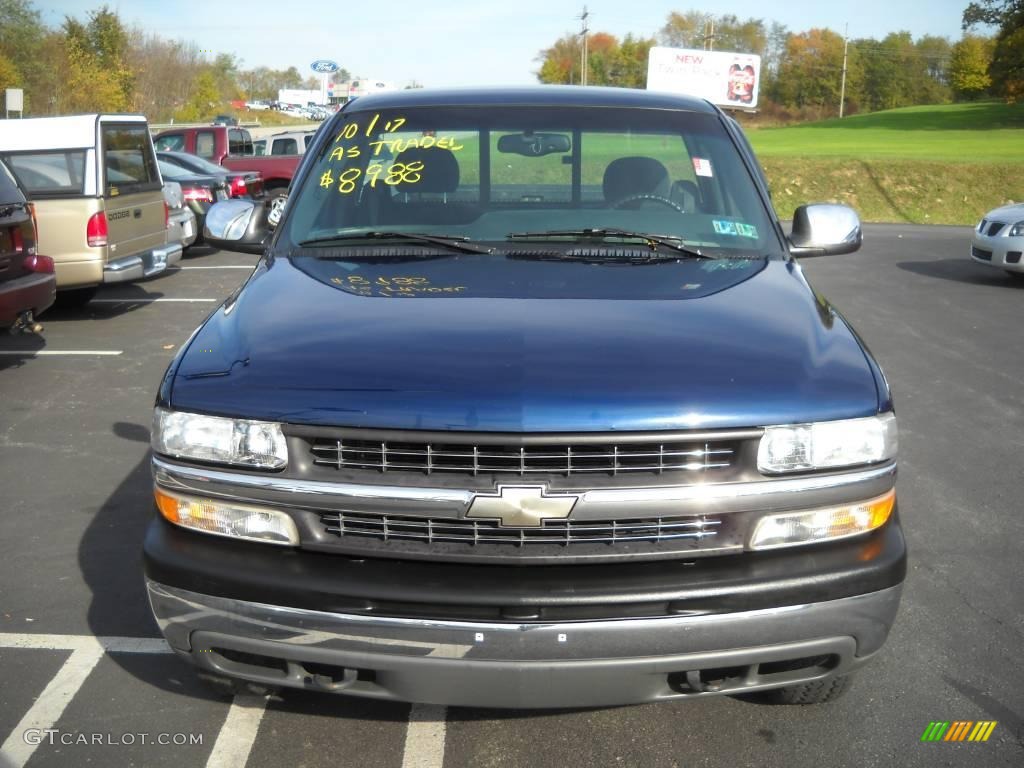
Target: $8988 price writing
{"points": [[393, 175]]}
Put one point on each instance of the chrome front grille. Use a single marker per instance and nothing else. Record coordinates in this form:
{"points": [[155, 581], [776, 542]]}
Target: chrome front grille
{"points": [[565, 532], [524, 460]]}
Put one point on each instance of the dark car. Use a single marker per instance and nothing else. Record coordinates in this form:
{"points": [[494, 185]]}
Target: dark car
{"points": [[28, 284], [528, 404], [225, 120], [239, 183], [199, 190]]}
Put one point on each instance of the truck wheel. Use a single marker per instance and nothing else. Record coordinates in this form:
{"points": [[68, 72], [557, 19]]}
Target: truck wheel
{"points": [[76, 298], [814, 692]]}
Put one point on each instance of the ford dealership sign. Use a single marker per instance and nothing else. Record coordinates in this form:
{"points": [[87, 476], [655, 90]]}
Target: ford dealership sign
{"points": [[324, 66]]}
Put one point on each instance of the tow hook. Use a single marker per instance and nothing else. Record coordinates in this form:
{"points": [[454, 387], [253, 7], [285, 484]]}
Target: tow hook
{"points": [[26, 323]]}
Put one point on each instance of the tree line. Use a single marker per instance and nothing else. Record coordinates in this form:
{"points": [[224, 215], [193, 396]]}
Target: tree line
{"points": [[803, 70], [99, 65]]}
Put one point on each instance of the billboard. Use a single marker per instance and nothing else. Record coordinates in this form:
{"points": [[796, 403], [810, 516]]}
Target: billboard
{"points": [[722, 77]]}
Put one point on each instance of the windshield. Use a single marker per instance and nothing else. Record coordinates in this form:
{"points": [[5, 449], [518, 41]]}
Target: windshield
{"points": [[484, 173]]}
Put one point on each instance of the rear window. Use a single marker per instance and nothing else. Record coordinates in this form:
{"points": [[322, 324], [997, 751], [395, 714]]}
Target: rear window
{"points": [[129, 164], [9, 192], [49, 173], [285, 147], [239, 142]]}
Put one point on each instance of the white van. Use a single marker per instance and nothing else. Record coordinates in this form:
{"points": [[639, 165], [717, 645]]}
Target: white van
{"points": [[98, 197]]}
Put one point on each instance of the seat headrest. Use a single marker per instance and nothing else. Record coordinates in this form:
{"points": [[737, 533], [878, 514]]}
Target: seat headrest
{"points": [[440, 170], [627, 176]]}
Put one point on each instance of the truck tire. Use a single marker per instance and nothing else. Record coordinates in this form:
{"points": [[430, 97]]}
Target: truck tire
{"points": [[814, 692]]}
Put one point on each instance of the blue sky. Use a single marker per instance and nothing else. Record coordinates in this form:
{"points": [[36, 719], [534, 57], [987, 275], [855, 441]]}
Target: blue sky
{"points": [[450, 43]]}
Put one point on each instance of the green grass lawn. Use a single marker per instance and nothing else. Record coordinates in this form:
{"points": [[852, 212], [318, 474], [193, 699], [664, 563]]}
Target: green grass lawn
{"points": [[984, 132]]}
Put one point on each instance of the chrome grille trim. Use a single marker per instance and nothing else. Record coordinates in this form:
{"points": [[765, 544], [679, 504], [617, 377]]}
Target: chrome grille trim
{"points": [[565, 532], [550, 459]]}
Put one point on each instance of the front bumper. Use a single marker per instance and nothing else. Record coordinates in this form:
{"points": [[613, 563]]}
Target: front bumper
{"points": [[383, 629], [142, 265], [1001, 251], [600, 663]]}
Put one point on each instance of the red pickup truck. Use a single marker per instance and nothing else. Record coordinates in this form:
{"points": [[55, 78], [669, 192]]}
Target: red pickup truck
{"points": [[232, 148]]}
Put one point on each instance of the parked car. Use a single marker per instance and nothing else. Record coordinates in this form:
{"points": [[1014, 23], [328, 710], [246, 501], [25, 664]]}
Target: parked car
{"points": [[225, 120], [28, 284], [199, 191], [98, 197], [231, 148], [257, 105], [288, 143], [557, 424], [240, 183], [999, 240], [181, 221]]}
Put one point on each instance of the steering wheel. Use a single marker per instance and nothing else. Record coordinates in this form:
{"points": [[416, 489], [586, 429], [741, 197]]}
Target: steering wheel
{"points": [[645, 196]]}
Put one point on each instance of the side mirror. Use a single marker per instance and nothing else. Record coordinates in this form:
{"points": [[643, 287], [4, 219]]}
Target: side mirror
{"points": [[237, 225], [824, 229]]}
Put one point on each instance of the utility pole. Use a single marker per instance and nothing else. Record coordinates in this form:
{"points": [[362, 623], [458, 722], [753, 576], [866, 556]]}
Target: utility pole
{"points": [[842, 85], [708, 40], [583, 55]]}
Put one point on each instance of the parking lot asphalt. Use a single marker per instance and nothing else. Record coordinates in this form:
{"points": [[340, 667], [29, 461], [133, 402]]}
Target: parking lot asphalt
{"points": [[79, 652]]}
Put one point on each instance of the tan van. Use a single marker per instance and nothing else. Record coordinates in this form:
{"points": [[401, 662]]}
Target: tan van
{"points": [[98, 197]]}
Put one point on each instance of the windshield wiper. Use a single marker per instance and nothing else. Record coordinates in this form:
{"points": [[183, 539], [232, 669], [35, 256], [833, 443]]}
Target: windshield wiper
{"points": [[452, 242], [653, 242]]}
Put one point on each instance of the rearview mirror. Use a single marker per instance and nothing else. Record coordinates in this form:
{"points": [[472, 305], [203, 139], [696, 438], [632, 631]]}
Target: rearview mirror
{"points": [[824, 229], [237, 225], [534, 144]]}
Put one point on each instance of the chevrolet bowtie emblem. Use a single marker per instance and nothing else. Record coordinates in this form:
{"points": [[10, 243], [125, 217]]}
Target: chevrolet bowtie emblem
{"points": [[521, 506]]}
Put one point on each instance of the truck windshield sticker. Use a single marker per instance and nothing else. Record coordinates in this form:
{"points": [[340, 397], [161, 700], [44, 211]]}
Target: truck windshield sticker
{"points": [[723, 227], [702, 167], [746, 230]]}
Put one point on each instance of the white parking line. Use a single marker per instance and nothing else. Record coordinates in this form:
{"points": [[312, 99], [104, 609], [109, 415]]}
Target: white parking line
{"points": [[57, 352], [151, 301], [238, 734], [219, 266], [50, 705], [424, 739]]}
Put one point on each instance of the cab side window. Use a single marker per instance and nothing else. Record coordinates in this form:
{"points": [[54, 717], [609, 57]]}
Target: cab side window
{"points": [[170, 142], [205, 144]]}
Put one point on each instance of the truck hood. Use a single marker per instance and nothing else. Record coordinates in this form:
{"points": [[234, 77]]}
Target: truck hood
{"points": [[489, 343]]}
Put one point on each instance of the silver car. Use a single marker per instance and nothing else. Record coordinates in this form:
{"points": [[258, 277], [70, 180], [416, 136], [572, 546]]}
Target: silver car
{"points": [[181, 222], [999, 240]]}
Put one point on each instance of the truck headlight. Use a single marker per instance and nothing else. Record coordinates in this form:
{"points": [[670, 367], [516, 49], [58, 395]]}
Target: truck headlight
{"points": [[227, 518], [828, 444], [817, 525], [256, 444]]}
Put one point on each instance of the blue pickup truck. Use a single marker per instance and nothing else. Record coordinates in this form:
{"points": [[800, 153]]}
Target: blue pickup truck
{"points": [[527, 404]]}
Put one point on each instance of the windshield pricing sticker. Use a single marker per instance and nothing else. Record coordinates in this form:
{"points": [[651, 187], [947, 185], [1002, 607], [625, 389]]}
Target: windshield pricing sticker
{"points": [[746, 230], [702, 167], [725, 227]]}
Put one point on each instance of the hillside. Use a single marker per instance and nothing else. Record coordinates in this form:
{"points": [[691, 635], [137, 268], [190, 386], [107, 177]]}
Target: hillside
{"points": [[944, 164]]}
